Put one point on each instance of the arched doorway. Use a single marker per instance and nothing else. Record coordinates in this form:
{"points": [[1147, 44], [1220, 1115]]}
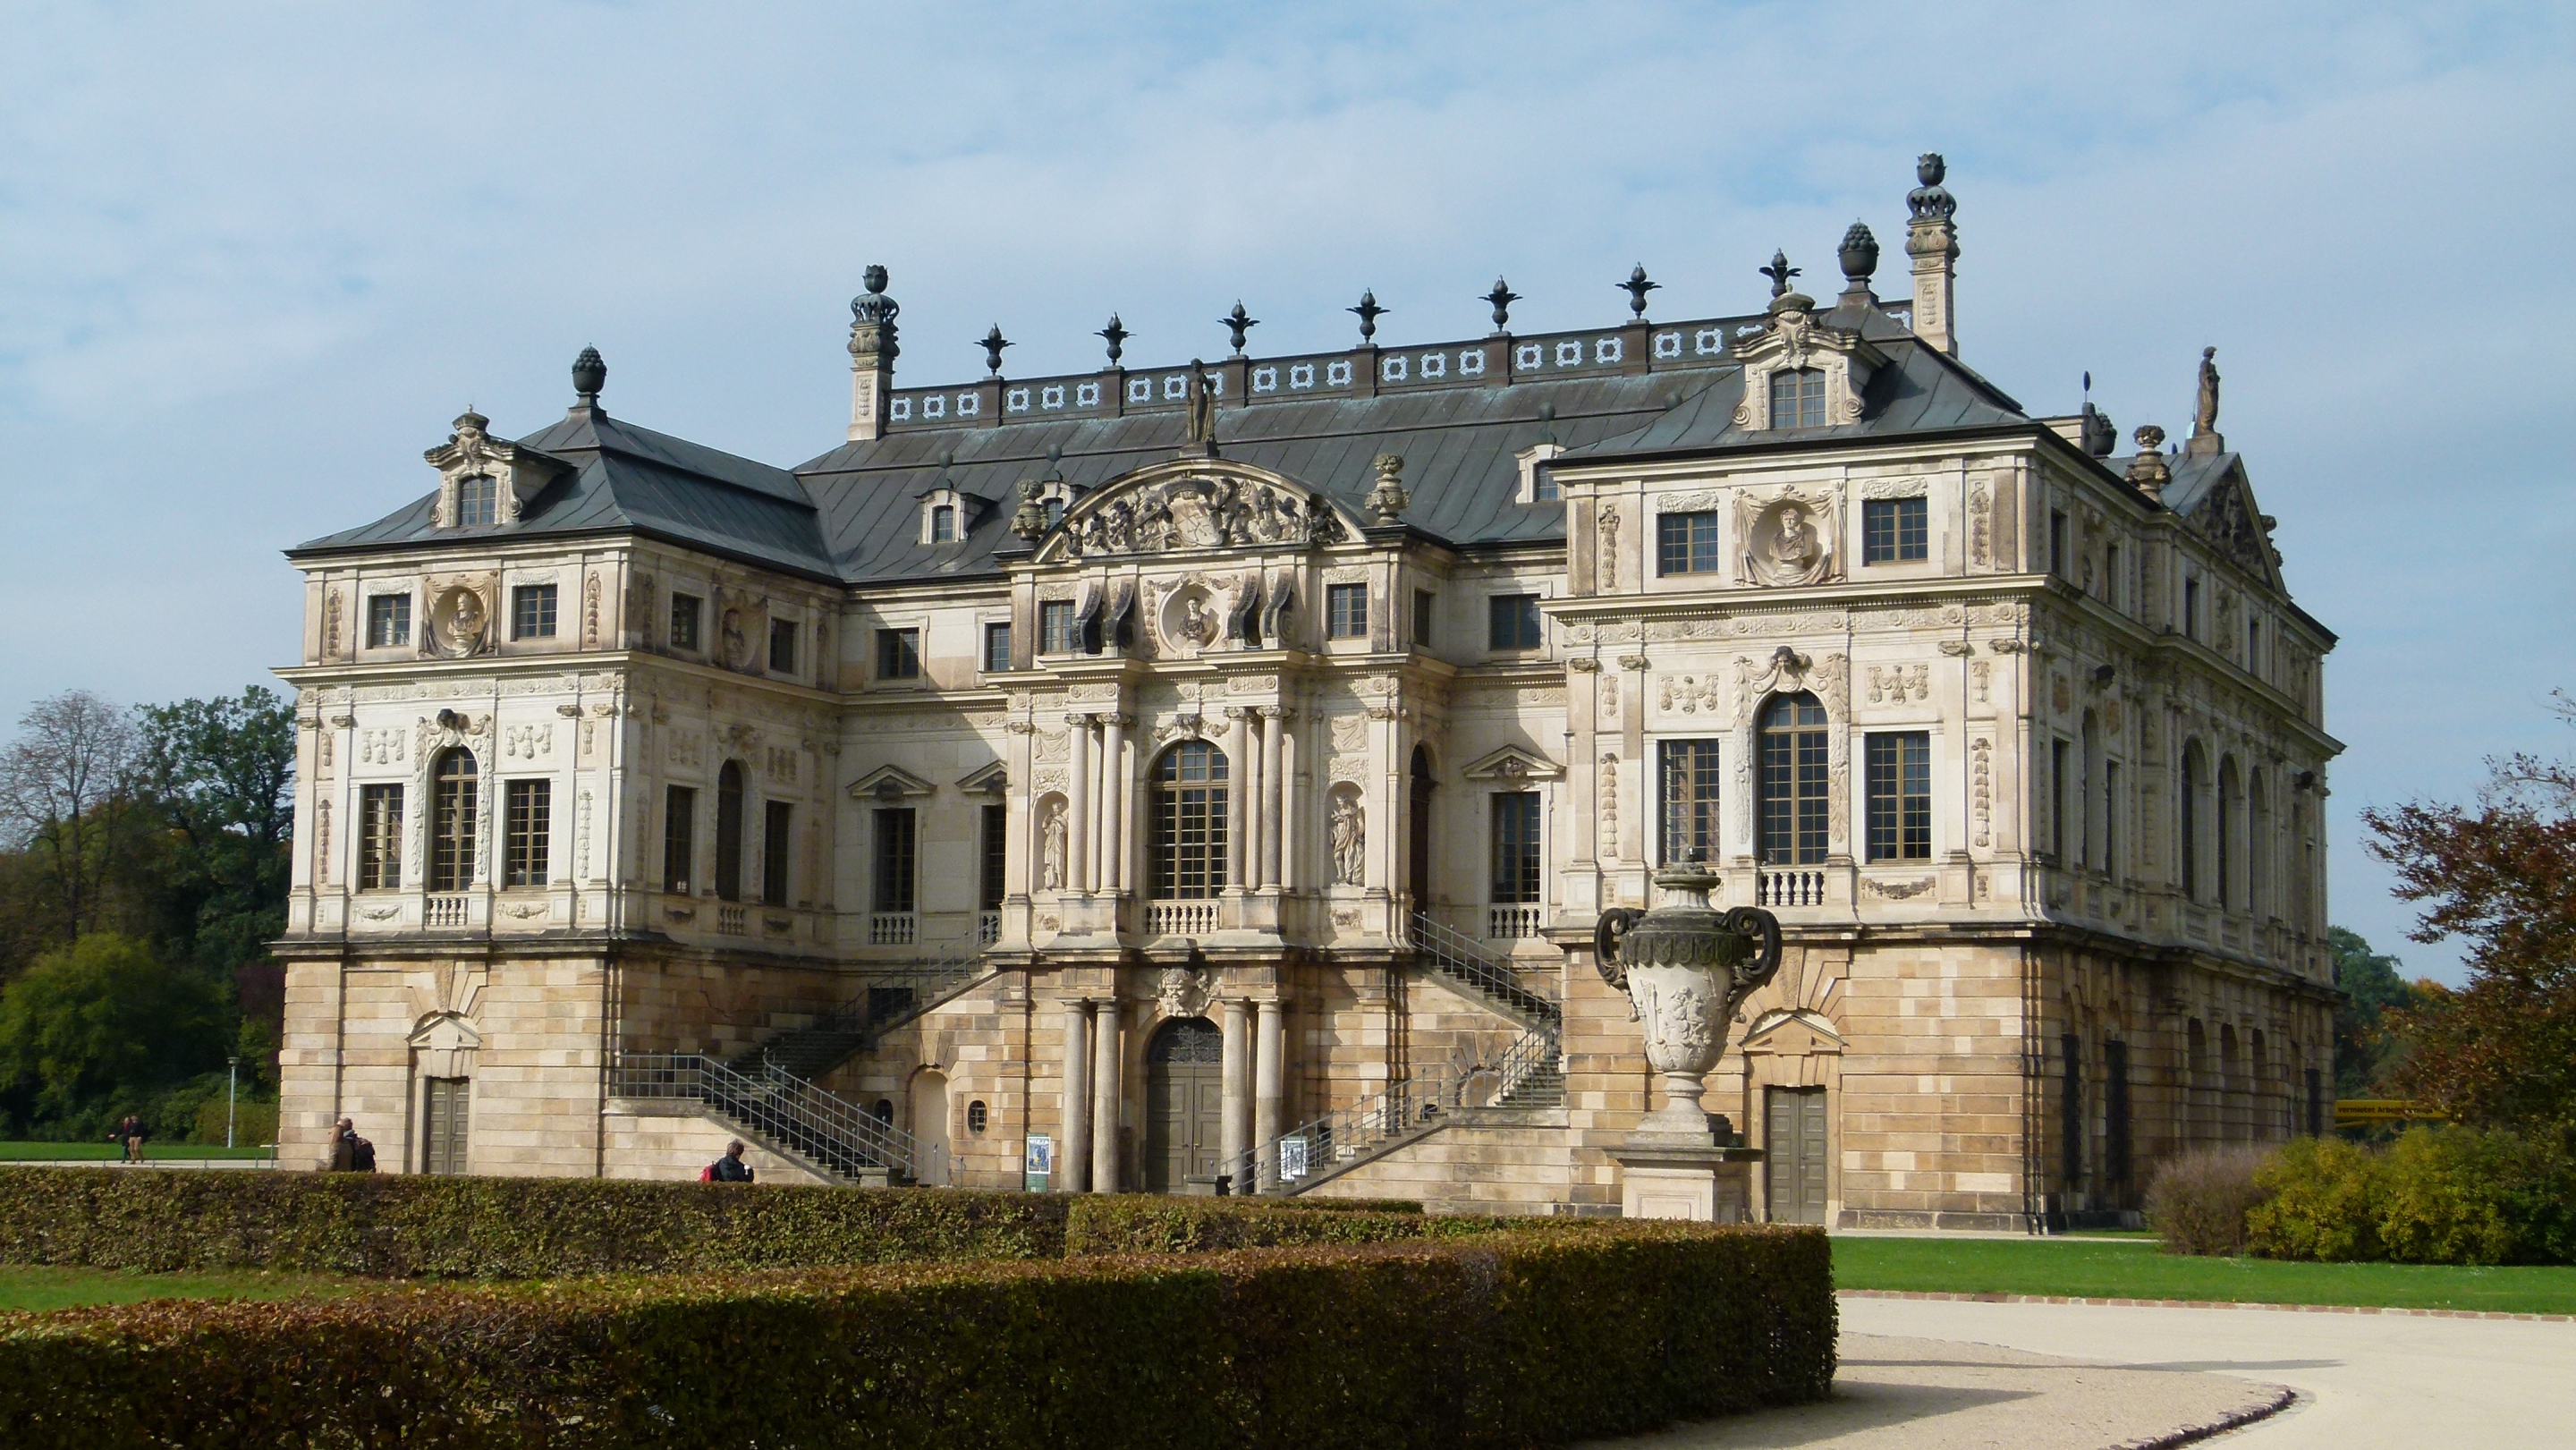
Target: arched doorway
{"points": [[1418, 830], [930, 1127], [1184, 1103]]}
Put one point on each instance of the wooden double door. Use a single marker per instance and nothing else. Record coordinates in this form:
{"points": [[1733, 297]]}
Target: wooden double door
{"points": [[445, 1109], [1797, 1142], [1184, 1103]]}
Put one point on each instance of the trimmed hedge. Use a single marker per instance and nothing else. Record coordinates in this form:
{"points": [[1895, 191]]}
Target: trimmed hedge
{"points": [[1154, 1224], [1505, 1339], [407, 1226]]}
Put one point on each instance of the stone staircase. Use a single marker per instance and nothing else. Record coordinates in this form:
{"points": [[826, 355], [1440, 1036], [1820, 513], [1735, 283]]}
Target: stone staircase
{"points": [[1463, 962], [894, 996]]}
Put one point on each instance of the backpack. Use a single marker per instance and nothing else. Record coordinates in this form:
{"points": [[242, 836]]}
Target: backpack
{"points": [[362, 1158], [707, 1174]]}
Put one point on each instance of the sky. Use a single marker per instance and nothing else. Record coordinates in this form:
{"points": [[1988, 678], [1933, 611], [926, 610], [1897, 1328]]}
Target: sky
{"points": [[254, 258]]}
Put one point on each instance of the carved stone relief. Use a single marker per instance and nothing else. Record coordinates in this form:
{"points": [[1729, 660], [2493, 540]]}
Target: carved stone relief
{"points": [[590, 612], [1980, 524], [1688, 694], [461, 608], [1609, 809], [1051, 844], [1608, 558], [1789, 539], [1981, 788], [1201, 511], [331, 625], [1896, 684]]}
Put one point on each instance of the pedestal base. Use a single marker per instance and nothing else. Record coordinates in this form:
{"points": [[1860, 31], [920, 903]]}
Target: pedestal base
{"points": [[1699, 1184]]}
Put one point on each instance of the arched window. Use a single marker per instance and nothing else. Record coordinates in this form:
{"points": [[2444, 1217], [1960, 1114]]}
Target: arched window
{"points": [[729, 831], [2231, 819], [1189, 822], [2089, 763], [2195, 779], [1795, 809], [455, 800]]}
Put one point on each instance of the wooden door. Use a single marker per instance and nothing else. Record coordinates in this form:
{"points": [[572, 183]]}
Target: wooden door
{"points": [[1796, 1140], [1184, 1103], [443, 1119]]}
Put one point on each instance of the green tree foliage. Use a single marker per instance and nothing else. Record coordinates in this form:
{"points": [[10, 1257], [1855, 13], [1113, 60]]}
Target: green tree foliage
{"points": [[102, 1027], [215, 776], [2501, 875], [2364, 1047]]}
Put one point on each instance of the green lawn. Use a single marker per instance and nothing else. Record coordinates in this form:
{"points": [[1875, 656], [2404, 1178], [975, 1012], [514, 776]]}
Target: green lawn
{"points": [[44, 1287], [110, 1152], [2126, 1268]]}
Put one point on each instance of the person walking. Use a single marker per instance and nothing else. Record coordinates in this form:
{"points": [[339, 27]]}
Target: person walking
{"points": [[730, 1168], [129, 1135], [344, 1148]]}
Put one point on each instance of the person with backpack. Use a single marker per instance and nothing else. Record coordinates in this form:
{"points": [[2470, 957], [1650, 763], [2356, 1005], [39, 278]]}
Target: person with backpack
{"points": [[728, 1169], [349, 1152]]}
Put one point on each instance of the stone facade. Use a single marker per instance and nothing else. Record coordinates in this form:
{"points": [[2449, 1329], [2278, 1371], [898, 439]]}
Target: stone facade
{"points": [[667, 756]]}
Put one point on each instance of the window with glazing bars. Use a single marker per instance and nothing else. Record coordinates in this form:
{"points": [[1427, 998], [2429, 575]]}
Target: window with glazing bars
{"points": [[1690, 781], [685, 609], [898, 654], [1798, 398], [895, 853], [1900, 795], [1346, 611], [943, 524], [380, 818], [1056, 634], [782, 646], [729, 831], [1513, 622], [1687, 543], [1796, 808], [996, 856], [1189, 822], [529, 806], [532, 611], [1516, 848], [478, 501], [1895, 530], [453, 802], [388, 620], [777, 834], [997, 648], [679, 837], [1424, 601]]}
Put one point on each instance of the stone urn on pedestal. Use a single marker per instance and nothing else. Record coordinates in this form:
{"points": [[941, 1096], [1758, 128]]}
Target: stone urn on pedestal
{"points": [[1686, 966]]}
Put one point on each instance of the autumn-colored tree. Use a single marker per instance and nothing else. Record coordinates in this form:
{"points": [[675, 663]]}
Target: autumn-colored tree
{"points": [[2502, 876]]}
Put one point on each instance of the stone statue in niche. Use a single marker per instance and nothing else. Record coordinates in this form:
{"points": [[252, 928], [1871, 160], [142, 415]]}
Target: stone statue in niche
{"points": [[1789, 543], [1051, 850], [1350, 839], [460, 623]]}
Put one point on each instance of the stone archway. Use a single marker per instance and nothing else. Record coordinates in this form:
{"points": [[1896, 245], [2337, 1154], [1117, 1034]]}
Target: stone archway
{"points": [[1184, 1103]]}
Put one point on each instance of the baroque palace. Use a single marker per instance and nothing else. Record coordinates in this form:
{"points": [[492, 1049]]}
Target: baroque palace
{"points": [[1208, 777]]}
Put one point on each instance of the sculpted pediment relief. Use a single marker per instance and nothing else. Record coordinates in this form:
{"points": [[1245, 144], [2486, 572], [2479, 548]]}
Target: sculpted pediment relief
{"points": [[1793, 1034], [889, 782], [1195, 504], [1512, 763], [2227, 519]]}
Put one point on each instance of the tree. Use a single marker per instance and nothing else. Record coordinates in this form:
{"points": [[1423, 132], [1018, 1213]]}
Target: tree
{"points": [[63, 793], [2502, 1051], [2365, 1049], [217, 773], [99, 1027]]}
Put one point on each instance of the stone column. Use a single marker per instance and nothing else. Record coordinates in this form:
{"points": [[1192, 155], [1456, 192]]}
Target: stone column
{"points": [[1073, 1155], [1241, 779], [1269, 1048], [1077, 785], [1273, 786], [1113, 802], [1237, 1097], [1104, 1098]]}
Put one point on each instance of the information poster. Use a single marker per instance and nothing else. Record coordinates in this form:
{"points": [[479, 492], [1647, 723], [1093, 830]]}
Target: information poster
{"points": [[1292, 1157], [1041, 1162]]}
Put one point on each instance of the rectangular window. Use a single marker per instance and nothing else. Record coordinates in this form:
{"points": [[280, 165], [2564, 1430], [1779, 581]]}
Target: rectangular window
{"points": [[2056, 542], [478, 501], [1056, 634], [777, 838], [943, 524], [380, 817], [2070, 1111], [679, 838], [2058, 806], [1690, 781], [685, 610], [1687, 543], [782, 646], [388, 620], [2115, 1111], [1895, 530], [2111, 819], [894, 860], [2111, 575], [1513, 622], [1424, 602], [532, 611], [2191, 608], [997, 856], [2253, 646], [1346, 611], [1516, 848], [530, 803], [898, 654], [997, 648], [1798, 398], [1543, 486], [1900, 795]]}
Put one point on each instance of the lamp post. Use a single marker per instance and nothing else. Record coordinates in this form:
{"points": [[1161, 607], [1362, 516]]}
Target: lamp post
{"points": [[1686, 966], [232, 1077]]}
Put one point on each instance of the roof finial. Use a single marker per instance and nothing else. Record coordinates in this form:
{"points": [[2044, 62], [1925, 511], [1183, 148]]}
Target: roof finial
{"points": [[1637, 287], [1117, 334], [1389, 500], [2149, 471], [1929, 202], [589, 375], [993, 344], [1780, 272], [1502, 297], [1859, 256], [1237, 323], [1369, 313]]}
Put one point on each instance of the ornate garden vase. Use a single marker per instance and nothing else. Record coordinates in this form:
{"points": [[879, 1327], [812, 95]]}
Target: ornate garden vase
{"points": [[1686, 967]]}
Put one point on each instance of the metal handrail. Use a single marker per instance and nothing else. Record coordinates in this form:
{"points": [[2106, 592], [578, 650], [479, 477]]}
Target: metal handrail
{"points": [[926, 977], [1537, 1053], [1322, 1144], [1460, 956], [787, 1110]]}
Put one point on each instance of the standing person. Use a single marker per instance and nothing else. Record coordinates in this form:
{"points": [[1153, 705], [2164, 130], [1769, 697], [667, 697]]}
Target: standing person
{"points": [[730, 1168], [129, 1135], [344, 1148]]}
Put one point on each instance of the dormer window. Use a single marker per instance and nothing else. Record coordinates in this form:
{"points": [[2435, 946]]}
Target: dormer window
{"points": [[1798, 398], [947, 514], [478, 500], [943, 524], [1538, 485]]}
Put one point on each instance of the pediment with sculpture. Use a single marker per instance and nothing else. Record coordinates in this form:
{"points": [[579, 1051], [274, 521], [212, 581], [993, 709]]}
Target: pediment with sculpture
{"points": [[1196, 504]]}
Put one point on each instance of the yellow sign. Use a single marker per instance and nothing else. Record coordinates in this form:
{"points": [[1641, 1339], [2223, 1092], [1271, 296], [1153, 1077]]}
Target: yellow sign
{"points": [[2366, 1112]]}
